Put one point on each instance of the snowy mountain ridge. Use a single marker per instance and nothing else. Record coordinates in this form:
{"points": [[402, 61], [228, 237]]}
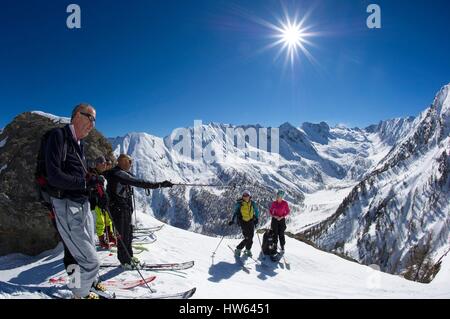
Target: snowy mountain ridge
{"points": [[313, 158], [397, 216]]}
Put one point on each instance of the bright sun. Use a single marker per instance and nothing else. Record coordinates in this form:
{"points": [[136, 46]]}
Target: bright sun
{"points": [[292, 37]]}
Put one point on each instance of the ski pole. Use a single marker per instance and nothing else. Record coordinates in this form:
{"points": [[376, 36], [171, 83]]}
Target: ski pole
{"points": [[100, 189], [214, 252], [260, 244], [259, 239], [126, 249], [134, 207], [206, 185], [104, 229]]}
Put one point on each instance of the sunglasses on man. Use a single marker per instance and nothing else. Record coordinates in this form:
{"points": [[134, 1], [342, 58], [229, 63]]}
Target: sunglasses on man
{"points": [[89, 116]]}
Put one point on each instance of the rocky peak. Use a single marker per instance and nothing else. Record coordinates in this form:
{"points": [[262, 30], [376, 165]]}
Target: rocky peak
{"points": [[24, 223]]}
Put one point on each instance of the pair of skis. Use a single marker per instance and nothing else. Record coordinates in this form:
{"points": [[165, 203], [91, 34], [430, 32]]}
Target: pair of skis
{"points": [[146, 235], [147, 266], [243, 264], [126, 284], [280, 256], [258, 262], [137, 249], [178, 295], [143, 240], [147, 230], [119, 284]]}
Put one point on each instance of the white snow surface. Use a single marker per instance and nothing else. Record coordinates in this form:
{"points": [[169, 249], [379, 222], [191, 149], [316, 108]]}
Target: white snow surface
{"points": [[54, 118], [312, 273]]}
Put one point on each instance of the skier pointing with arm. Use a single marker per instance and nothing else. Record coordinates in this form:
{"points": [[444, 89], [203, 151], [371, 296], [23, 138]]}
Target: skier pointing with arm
{"points": [[120, 191]]}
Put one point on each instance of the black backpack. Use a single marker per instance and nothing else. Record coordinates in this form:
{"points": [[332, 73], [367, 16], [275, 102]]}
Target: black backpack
{"points": [[269, 245], [44, 189]]}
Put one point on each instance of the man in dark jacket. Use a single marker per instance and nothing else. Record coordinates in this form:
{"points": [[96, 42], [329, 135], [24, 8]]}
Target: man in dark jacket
{"points": [[120, 191], [67, 175]]}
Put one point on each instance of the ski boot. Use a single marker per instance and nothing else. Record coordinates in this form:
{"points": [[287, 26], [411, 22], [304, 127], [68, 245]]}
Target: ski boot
{"points": [[100, 290], [136, 261], [275, 257], [92, 295], [237, 252], [103, 242], [248, 253], [131, 267], [112, 238], [99, 286]]}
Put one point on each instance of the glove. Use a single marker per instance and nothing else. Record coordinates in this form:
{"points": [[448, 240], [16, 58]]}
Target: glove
{"points": [[165, 184], [256, 221], [93, 180], [230, 223]]}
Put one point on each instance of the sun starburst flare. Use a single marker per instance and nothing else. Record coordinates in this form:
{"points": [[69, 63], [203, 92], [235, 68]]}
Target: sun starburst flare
{"points": [[291, 38], [289, 32]]}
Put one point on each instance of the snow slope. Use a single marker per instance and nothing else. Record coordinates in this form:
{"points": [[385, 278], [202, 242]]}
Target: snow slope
{"points": [[312, 273], [317, 207]]}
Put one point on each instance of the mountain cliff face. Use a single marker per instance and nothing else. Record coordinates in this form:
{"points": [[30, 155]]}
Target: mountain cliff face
{"points": [[24, 223], [398, 216]]}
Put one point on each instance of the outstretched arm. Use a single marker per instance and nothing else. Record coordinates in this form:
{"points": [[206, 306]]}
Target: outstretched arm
{"points": [[128, 179]]}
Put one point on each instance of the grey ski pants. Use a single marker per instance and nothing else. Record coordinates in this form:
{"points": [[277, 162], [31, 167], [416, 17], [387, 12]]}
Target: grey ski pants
{"points": [[75, 223]]}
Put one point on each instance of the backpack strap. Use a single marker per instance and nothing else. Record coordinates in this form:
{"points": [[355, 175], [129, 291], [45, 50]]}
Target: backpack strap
{"points": [[65, 149], [64, 146]]}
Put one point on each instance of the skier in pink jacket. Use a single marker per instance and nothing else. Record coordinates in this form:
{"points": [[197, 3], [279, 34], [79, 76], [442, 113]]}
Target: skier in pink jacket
{"points": [[279, 210]]}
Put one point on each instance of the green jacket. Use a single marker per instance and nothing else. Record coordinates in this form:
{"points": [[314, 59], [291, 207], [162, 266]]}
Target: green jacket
{"points": [[238, 208]]}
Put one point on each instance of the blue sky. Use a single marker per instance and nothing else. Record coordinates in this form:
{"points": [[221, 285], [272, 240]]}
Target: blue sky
{"points": [[153, 66]]}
